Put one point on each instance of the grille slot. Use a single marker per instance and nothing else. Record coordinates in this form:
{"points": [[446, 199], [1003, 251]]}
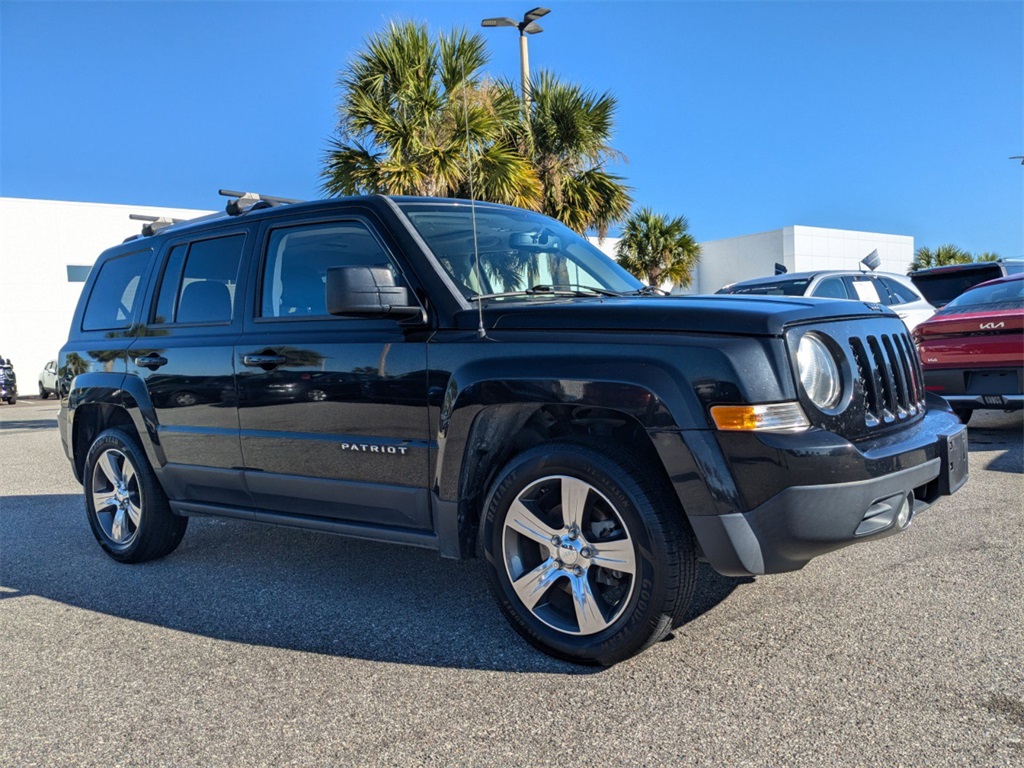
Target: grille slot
{"points": [[890, 375]]}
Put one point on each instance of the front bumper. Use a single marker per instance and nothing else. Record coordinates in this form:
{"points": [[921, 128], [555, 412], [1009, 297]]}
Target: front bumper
{"points": [[893, 481]]}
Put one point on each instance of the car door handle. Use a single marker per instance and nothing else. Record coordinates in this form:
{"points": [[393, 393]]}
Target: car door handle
{"points": [[258, 361], [150, 361]]}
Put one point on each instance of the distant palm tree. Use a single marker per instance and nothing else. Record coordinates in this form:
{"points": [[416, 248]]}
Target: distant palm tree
{"points": [[566, 137], [414, 109], [656, 248], [945, 254], [986, 256]]}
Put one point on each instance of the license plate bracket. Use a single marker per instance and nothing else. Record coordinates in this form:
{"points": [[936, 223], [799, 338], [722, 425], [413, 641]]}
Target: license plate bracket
{"points": [[953, 451]]}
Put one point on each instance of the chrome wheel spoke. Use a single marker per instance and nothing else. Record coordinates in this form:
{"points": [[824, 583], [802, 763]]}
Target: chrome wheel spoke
{"points": [[615, 555], [574, 501], [588, 612], [134, 512], [102, 500], [524, 522], [108, 464], [534, 585], [128, 473], [119, 527]]}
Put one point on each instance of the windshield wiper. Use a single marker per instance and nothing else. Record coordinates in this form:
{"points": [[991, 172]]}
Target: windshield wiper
{"points": [[650, 290], [550, 290]]}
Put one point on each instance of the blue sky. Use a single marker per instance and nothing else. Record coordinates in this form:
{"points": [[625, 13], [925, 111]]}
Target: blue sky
{"points": [[894, 117]]}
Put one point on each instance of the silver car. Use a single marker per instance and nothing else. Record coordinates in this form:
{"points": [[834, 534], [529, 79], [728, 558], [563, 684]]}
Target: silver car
{"points": [[886, 288]]}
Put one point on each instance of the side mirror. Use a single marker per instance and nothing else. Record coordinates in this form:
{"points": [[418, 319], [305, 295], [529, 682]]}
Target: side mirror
{"points": [[368, 292]]}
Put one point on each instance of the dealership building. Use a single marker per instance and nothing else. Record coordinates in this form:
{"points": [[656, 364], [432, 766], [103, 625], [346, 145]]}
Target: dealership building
{"points": [[48, 246]]}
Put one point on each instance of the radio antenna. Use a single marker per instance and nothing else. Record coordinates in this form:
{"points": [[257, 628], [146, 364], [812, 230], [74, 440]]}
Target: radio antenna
{"points": [[481, 332]]}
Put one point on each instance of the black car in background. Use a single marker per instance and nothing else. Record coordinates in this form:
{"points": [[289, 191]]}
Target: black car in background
{"points": [[940, 285], [8, 382]]}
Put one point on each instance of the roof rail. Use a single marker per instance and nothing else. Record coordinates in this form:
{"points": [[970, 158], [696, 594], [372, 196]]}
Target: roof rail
{"points": [[154, 223], [243, 202]]}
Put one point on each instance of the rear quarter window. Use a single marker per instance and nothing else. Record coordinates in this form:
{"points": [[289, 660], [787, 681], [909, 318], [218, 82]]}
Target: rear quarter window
{"points": [[117, 292]]}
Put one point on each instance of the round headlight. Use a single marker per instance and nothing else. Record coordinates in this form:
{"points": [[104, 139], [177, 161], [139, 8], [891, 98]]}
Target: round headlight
{"points": [[818, 371]]}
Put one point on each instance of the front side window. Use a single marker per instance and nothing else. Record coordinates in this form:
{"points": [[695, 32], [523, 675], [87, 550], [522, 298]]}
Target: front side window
{"points": [[115, 294], [200, 281], [518, 250], [900, 293], [866, 289], [297, 260]]}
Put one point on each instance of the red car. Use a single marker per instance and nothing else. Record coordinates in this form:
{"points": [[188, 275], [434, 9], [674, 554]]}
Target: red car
{"points": [[972, 350]]}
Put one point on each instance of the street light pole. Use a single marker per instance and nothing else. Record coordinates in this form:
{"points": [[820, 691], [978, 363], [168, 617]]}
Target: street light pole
{"points": [[528, 26]]}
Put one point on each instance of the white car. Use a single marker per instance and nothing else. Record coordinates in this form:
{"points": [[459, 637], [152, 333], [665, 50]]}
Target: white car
{"points": [[886, 288], [48, 380]]}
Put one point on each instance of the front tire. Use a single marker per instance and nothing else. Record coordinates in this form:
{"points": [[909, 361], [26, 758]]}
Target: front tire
{"points": [[127, 509], [44, 393], [588, 554]]}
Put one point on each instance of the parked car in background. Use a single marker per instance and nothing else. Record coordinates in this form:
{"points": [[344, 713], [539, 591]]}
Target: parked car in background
{"points": [[888, 289], [8, 382], [972, 350], [940, 285], [48, 380]]}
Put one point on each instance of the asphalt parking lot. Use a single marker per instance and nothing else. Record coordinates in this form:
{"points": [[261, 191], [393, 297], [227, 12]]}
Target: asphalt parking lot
{"points": [[255, 645]]}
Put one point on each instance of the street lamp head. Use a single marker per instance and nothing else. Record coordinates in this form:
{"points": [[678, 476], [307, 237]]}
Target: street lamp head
{"points": [[535, 14], [533, 28], [503, 21]]}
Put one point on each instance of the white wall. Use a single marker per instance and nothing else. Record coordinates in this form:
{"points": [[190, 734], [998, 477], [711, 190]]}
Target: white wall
{"points": [[38, 240], [737, 258]]}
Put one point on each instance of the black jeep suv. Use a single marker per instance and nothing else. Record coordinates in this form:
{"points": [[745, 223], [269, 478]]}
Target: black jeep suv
{"points": [[480, 380]]}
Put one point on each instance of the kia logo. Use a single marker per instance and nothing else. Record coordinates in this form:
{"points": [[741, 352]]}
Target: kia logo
{"points": [[991, 326]]}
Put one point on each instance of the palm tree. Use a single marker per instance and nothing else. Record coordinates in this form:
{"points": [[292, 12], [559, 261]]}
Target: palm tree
{"points": [[566, 136], [414, 110], [945, 254], [986, 256], [656, 248]]}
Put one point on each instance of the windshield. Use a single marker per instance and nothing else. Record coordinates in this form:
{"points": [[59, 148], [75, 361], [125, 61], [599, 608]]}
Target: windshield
{"points": [[776, 288], [521, 252], [1009, 295]]}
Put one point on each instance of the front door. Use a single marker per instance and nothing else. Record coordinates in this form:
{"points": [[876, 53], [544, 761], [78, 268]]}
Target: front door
{"points": [[332, 410]]}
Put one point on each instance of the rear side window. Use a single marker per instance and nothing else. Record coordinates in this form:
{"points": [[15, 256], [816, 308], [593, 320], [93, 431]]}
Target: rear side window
{"points": [[116, 293], [901, 294], [295, 270], [200, 282], [830, 288]]}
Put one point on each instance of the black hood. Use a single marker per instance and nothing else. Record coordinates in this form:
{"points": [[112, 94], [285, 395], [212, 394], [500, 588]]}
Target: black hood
{"points": [[741, 315]]}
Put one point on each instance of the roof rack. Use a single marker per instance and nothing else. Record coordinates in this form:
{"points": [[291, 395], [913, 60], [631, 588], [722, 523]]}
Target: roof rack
{"points": [[154, 223], [243, 202]]}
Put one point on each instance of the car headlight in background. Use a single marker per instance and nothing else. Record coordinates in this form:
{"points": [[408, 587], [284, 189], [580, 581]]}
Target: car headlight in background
{"points": [[818, 372]]}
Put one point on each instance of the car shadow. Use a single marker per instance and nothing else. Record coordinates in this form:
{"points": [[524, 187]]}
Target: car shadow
{"points": [[28, 424], [998, 431], [285, 588]]}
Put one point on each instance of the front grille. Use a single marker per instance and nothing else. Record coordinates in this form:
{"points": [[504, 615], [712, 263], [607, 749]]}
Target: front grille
{"points": [[889, 373]]}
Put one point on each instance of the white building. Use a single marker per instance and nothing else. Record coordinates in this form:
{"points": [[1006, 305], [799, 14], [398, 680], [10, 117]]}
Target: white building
{"points": [[48, 246], [798, 249], [46, 250]]}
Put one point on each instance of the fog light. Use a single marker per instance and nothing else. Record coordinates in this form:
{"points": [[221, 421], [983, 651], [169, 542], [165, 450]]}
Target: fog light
{"points": [[903, 515]]}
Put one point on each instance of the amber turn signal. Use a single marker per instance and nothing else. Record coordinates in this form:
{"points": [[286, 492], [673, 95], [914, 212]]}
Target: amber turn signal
{"points": [[750, 418]]}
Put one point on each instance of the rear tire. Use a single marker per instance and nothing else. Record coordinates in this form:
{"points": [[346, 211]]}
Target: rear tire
{"points": [[587, 553], [43, 391], [127, 509]]}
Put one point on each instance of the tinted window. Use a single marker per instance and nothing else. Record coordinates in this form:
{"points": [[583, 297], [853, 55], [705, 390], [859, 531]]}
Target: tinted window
{"points": [[1008, 295], [775, 288], [901, 294], [112, 303], [942, 287], [295, 269], [209, 280], [169, 283], [830, 288]]}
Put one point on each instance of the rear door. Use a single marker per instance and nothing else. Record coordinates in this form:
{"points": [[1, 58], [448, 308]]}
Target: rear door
{"points": [[185, 358], [332, 410]]}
